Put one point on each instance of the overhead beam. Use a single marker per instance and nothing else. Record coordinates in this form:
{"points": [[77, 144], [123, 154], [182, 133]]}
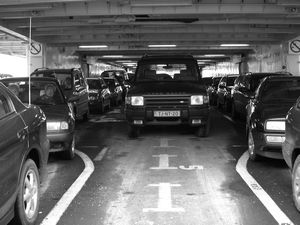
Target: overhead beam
{"points": [[28, 2], [108, 8], [200, 29]]}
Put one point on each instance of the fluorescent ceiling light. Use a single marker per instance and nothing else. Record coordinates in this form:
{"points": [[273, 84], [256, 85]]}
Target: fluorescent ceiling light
{"points": [[124, 61], [162, 46], [92, 46], [130, 64], [112, 56], [234, 45], [204, 60], [214, 55]]}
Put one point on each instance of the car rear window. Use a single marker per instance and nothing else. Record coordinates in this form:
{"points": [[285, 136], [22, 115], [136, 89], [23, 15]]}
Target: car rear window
{"points": [[94, 83], [64, 79], [42, 92], [169, 70], [281, 90]]}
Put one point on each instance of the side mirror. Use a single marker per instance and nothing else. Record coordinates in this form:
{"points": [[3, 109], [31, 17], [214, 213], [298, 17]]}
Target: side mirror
{"points": [[222, 85]]}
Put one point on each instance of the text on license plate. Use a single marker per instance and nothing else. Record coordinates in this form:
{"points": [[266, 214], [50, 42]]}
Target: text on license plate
{"points": [[166, 113]]}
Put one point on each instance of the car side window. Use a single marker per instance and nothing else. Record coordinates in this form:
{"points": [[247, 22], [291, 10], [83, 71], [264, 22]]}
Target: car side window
{"points": [[4, 106]]}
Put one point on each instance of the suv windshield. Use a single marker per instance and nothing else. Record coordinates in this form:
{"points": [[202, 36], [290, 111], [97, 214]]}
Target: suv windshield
{"points": [[42, 92], [281, 90], [176, 70]]}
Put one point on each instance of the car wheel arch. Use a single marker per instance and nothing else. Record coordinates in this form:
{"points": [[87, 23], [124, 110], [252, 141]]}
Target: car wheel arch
{"points": [[295, 153]]}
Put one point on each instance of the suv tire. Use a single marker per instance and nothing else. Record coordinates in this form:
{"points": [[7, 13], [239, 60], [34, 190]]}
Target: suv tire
{"points": [[133, 131], [295, 182]]}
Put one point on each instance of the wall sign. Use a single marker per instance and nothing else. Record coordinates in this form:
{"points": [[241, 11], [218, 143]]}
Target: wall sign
{"points": [[294, 46], [36, 49]]}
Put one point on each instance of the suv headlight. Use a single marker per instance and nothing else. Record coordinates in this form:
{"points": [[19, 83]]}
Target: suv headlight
{"points": [[199, 99], [276, 125], [136, 100], [55, 126]]}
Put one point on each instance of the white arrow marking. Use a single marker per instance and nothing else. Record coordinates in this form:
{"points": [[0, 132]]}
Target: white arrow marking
{"points": [[164, 162], [165, 199]]}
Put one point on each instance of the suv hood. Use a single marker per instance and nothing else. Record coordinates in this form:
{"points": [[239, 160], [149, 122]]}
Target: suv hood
{"points": [[275, 110], [158, 88]]}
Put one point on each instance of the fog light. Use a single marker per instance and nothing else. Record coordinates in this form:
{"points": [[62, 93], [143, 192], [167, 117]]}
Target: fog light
{"points": [[196, 121], [275, 139], [139, 122]]}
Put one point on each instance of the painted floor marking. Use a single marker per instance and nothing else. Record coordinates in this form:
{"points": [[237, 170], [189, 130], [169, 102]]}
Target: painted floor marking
{"points": [[164, 162], [265, 199], [101, 154], [165, 199], [192, 167], [164, 143], [61, 206]]}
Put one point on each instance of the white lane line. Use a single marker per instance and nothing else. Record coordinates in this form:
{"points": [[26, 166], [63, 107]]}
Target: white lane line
{"points": [[165, 199], [61, 206], [229, 118], [101, 154], [164, 162], [260, 193]]}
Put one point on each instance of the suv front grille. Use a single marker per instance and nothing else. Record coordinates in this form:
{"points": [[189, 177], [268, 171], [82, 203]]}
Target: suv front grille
{"points": [[167, 101]]}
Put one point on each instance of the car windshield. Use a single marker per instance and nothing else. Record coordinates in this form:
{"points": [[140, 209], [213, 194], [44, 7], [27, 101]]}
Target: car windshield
{"points": [[176, 70], [94, 83], [230, 81], [64, 79], [281, 90], [42, 92]]}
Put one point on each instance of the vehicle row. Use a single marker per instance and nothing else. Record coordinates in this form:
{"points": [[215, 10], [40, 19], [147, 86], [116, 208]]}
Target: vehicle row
{"points": [[269, 105]]}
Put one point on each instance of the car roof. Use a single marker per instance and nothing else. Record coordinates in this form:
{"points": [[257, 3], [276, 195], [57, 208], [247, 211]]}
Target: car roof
{"points": [[50, 79], [43, 70], [282, 78]]}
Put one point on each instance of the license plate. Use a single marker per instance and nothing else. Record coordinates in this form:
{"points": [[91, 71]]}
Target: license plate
{"points": [[166, 113]]}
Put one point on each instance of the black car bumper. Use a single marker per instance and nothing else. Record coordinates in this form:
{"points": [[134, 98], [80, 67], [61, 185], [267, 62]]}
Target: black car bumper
{"points": [[193, 116], [268, 144], [60, 141]]}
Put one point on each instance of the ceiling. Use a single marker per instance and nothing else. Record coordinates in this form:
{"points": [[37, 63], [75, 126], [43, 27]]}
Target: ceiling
{"points": [[128, 27]]}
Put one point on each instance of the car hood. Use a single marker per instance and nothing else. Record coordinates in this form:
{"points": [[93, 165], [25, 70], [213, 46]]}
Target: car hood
{"points": [[56, 112], [157, 88], [275, 110]]}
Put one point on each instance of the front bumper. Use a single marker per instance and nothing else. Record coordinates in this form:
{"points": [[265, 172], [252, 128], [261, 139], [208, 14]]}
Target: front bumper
{"points": [[60, 141], [269, 144], [200, 115]]}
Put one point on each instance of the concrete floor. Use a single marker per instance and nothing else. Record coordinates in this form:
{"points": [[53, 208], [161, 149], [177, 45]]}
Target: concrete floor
{"points": [[167, 176]]}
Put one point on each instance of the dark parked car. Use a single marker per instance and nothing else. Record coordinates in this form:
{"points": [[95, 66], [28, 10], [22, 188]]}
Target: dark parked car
{"points": [[74, 87], [115, 89], [121, 76], [266, 115], [224, 91], [291, 148], [212, 90], [244, 89], [24, 150], [99, 94], [167, 90], [47, 94]]}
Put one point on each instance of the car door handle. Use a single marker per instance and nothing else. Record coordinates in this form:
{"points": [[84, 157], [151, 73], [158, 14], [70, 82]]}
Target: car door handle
{"points": [[22, 134]]}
